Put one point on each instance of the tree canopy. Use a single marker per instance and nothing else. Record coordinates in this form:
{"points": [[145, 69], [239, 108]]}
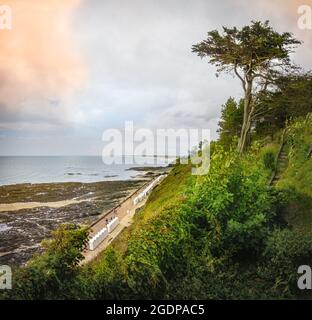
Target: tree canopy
{"points": [[256, 54], [291, 98]]}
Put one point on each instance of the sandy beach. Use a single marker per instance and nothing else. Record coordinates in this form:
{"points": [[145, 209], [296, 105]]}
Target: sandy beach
{"points": [[30, 205]]}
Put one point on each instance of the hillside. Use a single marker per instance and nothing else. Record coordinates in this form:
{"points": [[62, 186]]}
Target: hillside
{"points": [[225, 235], [166, 194], [298, 175]]}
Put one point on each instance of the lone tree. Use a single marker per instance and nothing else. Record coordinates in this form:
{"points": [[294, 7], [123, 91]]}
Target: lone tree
{"points": [[256, 54]]}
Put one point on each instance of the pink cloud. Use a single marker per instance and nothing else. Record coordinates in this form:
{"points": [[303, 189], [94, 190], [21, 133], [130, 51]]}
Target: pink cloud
{"points": [[39, 59]]}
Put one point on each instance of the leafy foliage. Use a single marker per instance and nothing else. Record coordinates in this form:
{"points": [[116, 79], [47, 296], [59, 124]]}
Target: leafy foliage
{"points": [[49, 275], [256, 46], [299, 171], [269, 160], [285, 251], [215, 239], [230, 122], [291, 98]]}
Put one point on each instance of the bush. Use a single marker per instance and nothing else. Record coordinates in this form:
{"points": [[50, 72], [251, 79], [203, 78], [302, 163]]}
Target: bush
{"points": [[48, 275], [285, 251], [237, 203], [268, 158]]}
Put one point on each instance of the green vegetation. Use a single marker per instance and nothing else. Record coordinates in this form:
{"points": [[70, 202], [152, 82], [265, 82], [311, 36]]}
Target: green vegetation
{"points": [[230, 122], [299, 171], [161, 197], [219, 236], [298, 175], [49, 275], [291, 98]]}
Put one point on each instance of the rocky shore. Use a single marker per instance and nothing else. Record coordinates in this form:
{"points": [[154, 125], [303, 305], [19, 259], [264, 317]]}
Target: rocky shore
{"points": [[22, 230]]}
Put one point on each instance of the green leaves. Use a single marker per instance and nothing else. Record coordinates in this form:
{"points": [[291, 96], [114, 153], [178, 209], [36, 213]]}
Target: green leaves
{"points": [[285, 251], [231, 122], [48, 275], [251, 48]]}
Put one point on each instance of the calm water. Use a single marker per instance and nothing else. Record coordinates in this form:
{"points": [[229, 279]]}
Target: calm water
{"points": [[15, 170]]}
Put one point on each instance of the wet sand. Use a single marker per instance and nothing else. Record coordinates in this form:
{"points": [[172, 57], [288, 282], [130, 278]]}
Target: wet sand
{"points": [[31, 205]]}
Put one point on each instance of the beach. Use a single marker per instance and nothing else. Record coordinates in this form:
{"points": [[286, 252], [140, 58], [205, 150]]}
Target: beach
{"points": [[29, 212]]}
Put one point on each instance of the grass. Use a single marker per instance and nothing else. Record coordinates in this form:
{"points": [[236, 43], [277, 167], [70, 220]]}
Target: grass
{"points": [[168, 192], [298, 176], [299, 213], [299, 210], [165, 194]]}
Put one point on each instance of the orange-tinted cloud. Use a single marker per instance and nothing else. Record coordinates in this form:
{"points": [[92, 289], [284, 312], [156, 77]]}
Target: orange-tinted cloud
{"points": [[38, 57]]}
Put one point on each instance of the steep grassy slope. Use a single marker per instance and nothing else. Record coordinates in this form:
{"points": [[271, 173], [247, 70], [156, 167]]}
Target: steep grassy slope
{"points": [[165, 194], [298, 175]]}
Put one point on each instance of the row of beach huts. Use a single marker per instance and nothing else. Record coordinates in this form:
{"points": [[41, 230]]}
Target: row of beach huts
{"points": [[100, 236], [147, 190]]}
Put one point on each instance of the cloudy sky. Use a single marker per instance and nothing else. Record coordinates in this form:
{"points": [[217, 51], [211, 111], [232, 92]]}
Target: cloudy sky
{"points": [[69, 69]]}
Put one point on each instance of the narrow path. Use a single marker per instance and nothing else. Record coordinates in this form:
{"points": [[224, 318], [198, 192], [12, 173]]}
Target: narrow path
{"points": [[281, 164], [281, 159], [125, 212]]}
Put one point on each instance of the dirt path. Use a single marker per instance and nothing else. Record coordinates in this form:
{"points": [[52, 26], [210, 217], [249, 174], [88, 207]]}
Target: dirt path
{"points": [[125, 212]]}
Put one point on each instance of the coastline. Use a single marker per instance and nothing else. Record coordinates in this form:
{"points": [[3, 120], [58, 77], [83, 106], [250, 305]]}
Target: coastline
{"points": [[34, 210]]}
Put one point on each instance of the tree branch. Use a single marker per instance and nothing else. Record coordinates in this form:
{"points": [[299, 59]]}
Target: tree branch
{"points": [[240, 77]]}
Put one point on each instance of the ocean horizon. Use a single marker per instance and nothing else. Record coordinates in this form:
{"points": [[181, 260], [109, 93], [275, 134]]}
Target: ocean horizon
{"points": [[85, 169]]}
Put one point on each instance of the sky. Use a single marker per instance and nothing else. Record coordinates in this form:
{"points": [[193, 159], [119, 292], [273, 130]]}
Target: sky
{"points": [[71, 69]]}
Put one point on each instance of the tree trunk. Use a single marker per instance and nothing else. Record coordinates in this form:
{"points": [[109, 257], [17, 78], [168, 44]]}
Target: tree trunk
{"points": [[247, 118]]}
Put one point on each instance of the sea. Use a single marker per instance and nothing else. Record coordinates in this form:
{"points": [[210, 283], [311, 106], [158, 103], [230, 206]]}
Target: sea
{"points": [[50, 169]]}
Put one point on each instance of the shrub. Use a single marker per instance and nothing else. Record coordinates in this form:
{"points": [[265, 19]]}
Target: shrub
{"points": [[48, 275], [285, 251], [237, 203], [268, 158]]}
